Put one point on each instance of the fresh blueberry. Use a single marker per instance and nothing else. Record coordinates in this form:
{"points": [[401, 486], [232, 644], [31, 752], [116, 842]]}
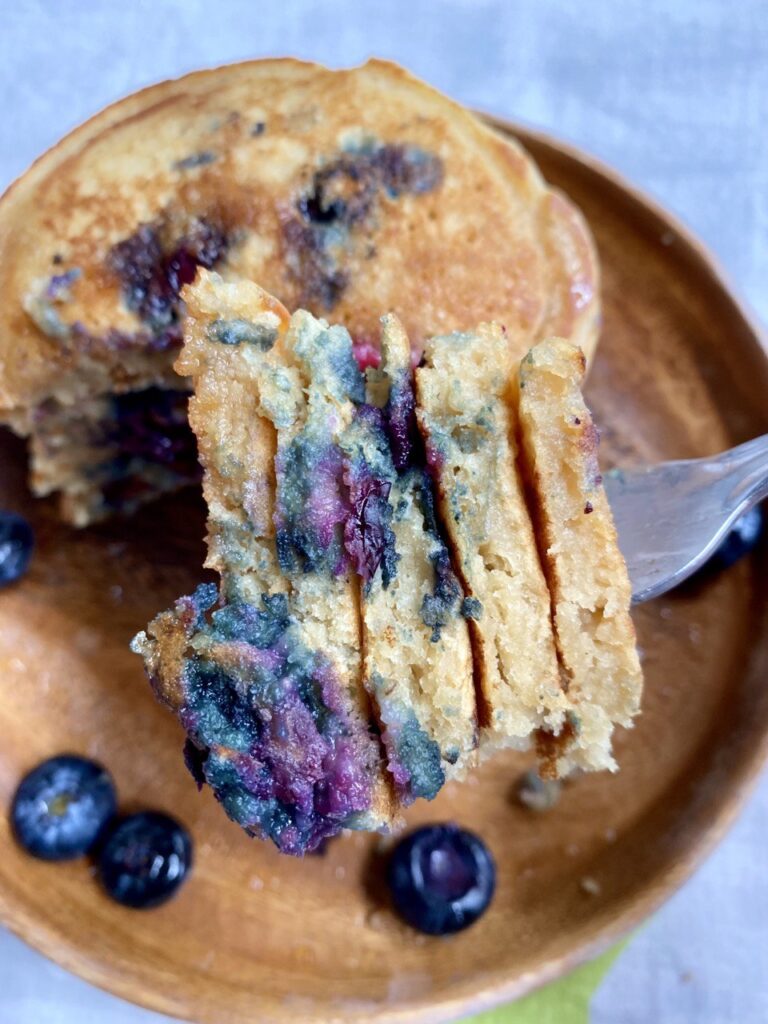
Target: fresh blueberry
{"points": [[16, 540], [442, 879], [144, 859], [739, 542], [61, 808]]}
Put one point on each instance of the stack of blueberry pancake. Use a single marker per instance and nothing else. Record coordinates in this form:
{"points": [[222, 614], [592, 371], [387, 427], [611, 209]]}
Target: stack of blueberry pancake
{"points": [[361, 318]]}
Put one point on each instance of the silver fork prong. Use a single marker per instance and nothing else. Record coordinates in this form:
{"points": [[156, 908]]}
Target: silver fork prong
{"points": [[673, 516]]}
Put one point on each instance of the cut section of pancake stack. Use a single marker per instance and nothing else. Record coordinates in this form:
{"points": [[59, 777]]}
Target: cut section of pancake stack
{"points": [[416, 569]]}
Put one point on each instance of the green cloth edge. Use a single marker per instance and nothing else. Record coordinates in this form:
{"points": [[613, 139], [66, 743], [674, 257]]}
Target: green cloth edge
{"points": [[565, 1001]]}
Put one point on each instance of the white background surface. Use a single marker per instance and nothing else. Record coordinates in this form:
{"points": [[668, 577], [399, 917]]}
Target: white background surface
{"points": [[675, 95]]}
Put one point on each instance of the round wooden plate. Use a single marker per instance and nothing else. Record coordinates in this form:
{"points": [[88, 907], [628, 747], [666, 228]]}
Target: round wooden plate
{"points": [[680, 372]]}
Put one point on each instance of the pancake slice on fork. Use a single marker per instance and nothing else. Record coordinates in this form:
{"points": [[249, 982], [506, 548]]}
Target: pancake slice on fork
{"points": [[463, 412], [418, 660], [266, 676], [585, 571]]}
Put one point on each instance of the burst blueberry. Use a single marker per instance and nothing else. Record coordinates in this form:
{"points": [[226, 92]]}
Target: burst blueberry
{"points": [[144, 859], [442, 879], [16, 542], [152, 270], [341, 205], [62, 807]]}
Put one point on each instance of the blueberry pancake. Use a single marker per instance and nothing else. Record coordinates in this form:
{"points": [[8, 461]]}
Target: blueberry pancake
{"points": [[585, 572], [265, 674], [418, 663], [118, 451], [381, 574], [320, 185], [318, 499], [353, 499], [464, 414]]}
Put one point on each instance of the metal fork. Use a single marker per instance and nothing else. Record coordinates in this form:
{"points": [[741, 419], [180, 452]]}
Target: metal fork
{"points": [[673, 516]]}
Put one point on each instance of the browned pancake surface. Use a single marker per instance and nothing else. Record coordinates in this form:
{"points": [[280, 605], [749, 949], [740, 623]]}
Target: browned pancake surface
{"points": [[344, 192]]}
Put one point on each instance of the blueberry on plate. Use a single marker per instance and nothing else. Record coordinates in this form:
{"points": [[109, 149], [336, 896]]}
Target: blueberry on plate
{"points": [[16, 540], [442, 879], [62, 807], [742, 537], [144, 859]]}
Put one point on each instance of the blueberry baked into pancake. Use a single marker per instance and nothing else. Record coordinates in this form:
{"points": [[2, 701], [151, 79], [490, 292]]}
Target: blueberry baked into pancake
{"points": [[418, 663], [354, 530], [320, 185], [321, 527], [265, 675]]}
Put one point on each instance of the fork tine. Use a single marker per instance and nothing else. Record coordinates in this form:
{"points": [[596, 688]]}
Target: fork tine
{"points": [[671, 517]]}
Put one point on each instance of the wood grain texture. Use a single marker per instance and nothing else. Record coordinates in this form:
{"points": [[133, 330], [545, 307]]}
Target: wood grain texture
{"points": [[253, 936]]}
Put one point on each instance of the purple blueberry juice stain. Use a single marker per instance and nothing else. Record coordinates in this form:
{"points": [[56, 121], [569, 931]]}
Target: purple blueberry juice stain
{"points": [[151, 439], [312, 501], [413, 757], [59, 285], [395, 449], [368, 537], [366, 353], [310, 507], [152, 271], [342, 201], [400, 415], [271, 729], [369, 475], [202, 159]]}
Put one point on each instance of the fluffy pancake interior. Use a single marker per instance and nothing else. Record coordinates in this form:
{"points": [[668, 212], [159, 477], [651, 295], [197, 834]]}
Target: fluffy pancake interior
{"points": [[586, 573], [268, 684], [418, 664], [463, 411]]}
